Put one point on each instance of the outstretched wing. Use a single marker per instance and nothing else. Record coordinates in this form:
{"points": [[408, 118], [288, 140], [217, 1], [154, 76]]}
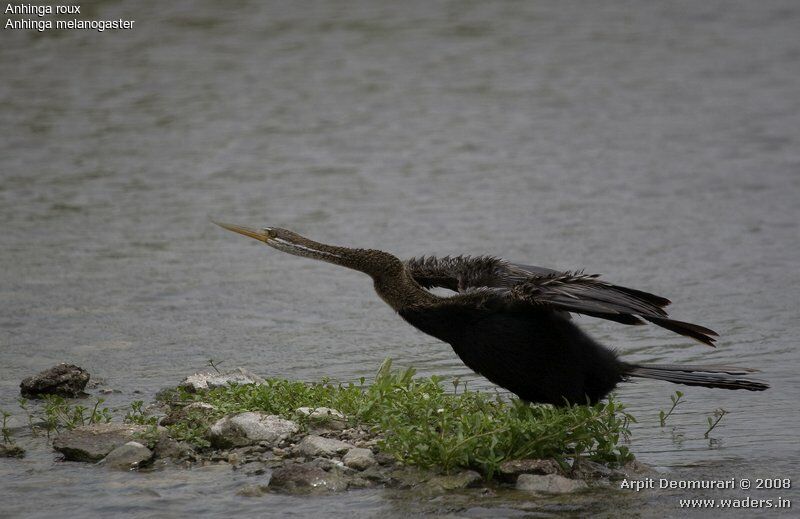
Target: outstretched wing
{"points": [[541, 287], [459, 273]]}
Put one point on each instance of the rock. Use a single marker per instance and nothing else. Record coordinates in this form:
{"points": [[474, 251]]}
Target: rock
{"points": [[324, 417], [167, 447], [234, 458], [10, 450], [636, 468], [128, 456], [359, 482], [204, 381], [463, 479], [511, 469], [305, 477], [385, 459], [219, 456], [280, 453], [549, 484], [326, 463], [93, 442], [375, 473], [312, 446], [64, 380], [196, 413], [251, 450], [256, 468], [589, 470], [359, 459], [252, 490], [249, 428], [402, 476]]}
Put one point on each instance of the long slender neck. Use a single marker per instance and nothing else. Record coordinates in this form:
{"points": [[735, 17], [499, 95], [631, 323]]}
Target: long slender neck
{"points": [[399, 290], [393, 283]]}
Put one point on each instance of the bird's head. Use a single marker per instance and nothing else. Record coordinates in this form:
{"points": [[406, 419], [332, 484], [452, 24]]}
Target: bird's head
{"points": [[283, 240], [373, 262]]}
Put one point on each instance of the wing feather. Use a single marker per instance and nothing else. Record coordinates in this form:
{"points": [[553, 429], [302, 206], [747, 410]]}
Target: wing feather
{"points": [[527, 285]]}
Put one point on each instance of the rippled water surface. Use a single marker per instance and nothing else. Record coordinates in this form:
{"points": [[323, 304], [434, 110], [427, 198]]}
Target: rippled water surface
{"points": [[656, 143]]}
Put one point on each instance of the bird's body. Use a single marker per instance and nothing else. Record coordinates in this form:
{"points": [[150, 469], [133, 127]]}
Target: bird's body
{"points": [[511, 323], [539, 355]]}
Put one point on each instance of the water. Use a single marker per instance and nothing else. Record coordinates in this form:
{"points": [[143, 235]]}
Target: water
{"points": [[656, 144]]}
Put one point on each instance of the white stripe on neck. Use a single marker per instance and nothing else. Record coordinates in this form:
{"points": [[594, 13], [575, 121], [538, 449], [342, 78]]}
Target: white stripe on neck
{"points": [[304, 248]]}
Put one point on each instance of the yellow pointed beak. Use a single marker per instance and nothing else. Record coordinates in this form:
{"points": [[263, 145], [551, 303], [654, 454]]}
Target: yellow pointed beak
{"points": [[252, 233]]}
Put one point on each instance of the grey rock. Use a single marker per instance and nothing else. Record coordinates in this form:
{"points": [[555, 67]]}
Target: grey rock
{"points": [[404, 477], [463, 479], [359, 459], [234, 458], [256, 468], [128, 456], [280, 453], [63, 379], [375, 473], [587, 469], [324, 417], [93, 442], [307, 477], [167, 447], [511, 469], [252, 449], [636, 468], [385, 459], [219, 456], [359, 482], [10, 450], [204, 381], [549, 484], [326, 463], [312, 446], [256, 490], [196, 413], [249, 428]]}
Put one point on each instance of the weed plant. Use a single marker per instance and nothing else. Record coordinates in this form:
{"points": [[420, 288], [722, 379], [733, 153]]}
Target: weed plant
{"points": [[5, 430], [56, 414], [714, 421], [676, 401], [421, 423]]}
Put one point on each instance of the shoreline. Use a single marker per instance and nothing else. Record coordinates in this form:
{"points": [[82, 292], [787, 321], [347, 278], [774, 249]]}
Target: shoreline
{"points": [[320, 449]]}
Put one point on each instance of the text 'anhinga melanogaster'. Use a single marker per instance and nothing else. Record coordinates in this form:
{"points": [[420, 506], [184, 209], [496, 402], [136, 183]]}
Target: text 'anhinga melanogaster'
{"points": [[511, 323]]}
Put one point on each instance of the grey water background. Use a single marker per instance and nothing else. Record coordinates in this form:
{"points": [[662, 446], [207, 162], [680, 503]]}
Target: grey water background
{"points": [[655, 143]]}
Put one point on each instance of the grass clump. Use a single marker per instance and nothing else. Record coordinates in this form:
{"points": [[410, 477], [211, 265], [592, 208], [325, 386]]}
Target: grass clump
{"points": [[421, 423], [137, 415], [57, 413]]}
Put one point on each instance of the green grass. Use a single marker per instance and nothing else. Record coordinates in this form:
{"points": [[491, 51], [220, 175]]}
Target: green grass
{"points": [[422, 423], [56, 414], [138, 416]]}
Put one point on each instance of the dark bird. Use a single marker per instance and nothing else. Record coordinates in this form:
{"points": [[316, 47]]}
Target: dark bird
{"points": [[511, 323]]}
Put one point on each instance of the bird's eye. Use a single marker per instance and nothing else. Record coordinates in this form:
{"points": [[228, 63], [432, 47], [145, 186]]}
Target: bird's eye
{"points": [[270, 232]]}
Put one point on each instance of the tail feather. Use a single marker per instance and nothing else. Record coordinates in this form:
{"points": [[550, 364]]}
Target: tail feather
{"points": [[723, 377], [714, 368], [695, 331]]}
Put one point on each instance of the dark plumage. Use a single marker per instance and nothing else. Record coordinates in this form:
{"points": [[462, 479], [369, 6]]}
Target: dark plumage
{"points": [[511, 323]]}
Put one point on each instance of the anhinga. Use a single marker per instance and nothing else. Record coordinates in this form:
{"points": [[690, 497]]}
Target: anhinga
{"points": [[511, 323]]}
